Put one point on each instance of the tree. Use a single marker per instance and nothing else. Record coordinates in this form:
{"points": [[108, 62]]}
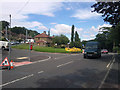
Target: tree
{"points": [[77, 37], [77, 40], [4, 24], [105, 39], [61, 39], [49, 32], [19, 30], [115, 35], [109, 10], [72, 37]]}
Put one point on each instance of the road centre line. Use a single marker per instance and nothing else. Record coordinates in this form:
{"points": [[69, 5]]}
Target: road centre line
{"points": [[17, 80], [40, 72], [61, 57], [107, 73], [109, 64], [42, 60], [65, 64], [67, 56]]}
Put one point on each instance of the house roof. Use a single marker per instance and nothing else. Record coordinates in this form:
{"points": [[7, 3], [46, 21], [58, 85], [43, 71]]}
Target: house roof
{"points": [[42, 35]]}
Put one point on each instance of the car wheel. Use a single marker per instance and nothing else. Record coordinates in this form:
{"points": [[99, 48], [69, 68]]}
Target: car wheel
{"points": [[85, 56], [3, 48], [99, 56]]}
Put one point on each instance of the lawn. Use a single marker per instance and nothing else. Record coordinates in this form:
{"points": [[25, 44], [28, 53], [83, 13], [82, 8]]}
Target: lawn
{"points": [[41, 49]]}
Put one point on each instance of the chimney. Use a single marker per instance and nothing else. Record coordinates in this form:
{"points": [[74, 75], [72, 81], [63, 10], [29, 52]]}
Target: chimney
{"points": [[44, 32]]}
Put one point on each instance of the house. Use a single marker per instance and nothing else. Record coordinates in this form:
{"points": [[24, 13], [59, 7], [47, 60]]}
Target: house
{"points": [[43, 39]]}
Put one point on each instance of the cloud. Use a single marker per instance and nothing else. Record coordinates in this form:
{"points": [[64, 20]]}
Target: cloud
{"points": [[20, 12], [91, 32], [51, 0], [63, 29], [99, 26], [85, 14], [88, 37], [68, 8], [30, 25]]}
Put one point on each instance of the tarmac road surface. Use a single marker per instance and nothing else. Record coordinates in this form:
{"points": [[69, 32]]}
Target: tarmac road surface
{"points": [[63, 71]]}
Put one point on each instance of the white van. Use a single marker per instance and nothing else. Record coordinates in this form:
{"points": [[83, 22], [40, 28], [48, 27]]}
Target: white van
{"points": [[4, 45]]}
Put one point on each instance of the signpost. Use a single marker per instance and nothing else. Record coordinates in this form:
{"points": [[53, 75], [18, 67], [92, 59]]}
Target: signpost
{"points": [[30, 49]]}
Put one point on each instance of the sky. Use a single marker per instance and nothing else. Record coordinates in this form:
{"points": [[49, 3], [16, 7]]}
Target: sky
{"points": [[58, 16]]}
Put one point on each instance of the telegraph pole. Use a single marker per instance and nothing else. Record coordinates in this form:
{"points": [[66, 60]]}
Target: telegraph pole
{"points": [[6, 32], [9, 43], [26, 36]]}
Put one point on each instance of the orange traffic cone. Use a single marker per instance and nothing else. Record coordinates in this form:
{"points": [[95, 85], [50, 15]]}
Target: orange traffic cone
{"points": [[11, 64]]}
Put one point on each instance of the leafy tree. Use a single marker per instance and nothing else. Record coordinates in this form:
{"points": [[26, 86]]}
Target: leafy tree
{"points": [[62, 39], [32, 33], [77, 40], [109, 10], [19, 30], [112, 34], [115, 35], [105, 40], [49, 32], [72, 36], [4, 24], [22, 30], [77, 37]]}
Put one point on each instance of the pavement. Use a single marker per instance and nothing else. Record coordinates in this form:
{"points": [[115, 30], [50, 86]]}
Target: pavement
{"points": [[64, 71]]}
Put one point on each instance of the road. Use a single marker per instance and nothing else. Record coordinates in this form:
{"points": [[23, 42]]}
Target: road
{"points": [[63, 71]]}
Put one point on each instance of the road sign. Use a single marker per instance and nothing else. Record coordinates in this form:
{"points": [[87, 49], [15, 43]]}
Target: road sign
{"points": [[5, 62]]}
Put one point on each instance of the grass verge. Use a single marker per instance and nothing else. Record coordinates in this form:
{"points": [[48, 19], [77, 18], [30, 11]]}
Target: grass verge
{"points": [[41, 49]]}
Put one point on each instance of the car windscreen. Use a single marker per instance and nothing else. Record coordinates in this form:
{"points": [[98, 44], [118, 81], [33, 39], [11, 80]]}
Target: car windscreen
{"points": [[91, 47]]}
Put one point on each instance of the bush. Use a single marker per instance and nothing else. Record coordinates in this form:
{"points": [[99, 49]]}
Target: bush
{"points": [[62, 46], [116, 49]]}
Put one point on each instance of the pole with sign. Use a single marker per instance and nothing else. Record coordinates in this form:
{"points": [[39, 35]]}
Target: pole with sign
{"points": [[30, 49]]}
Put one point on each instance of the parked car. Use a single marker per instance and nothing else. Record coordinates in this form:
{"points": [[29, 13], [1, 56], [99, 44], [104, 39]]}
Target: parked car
{"points": [[105, 51], [4, 45], [92, 49], [13, 43]]}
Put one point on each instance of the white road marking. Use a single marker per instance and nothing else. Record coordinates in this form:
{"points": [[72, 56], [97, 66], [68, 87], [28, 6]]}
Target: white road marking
{"points": [[61, 57], [66, 56], [106, 74], [16, 80], [42, 60], [37, 61], [22, 58], [109, 64], [40, 72], [65, 64]]}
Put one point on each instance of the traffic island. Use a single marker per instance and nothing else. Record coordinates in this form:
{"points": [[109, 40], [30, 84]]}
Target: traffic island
{"points": [[25, 60]]}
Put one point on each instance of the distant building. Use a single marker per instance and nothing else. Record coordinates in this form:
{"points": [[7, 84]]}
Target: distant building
{"points": [[43, 39], [29, 41]]}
